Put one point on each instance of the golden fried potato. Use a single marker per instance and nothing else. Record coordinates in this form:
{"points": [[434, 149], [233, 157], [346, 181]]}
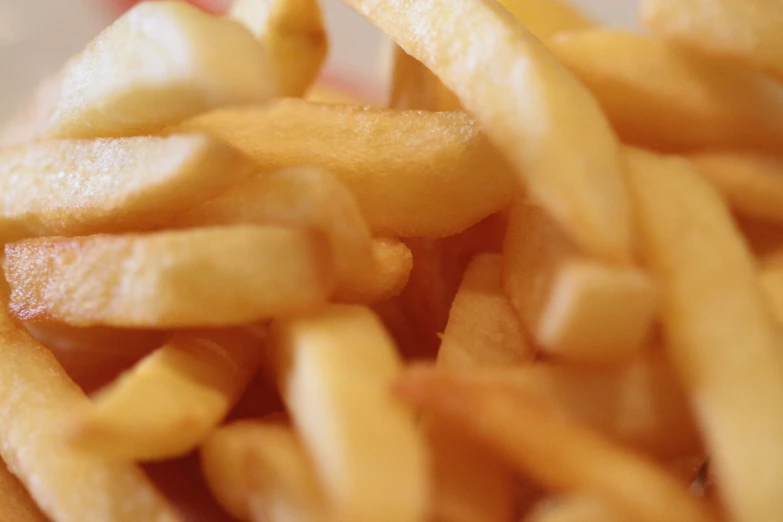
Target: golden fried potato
{"points": [[15, 503], [172, 399], [413, 86], [260, 470], [413, 173], [690, 100], [391, 268], [110, 185], [334, 370], [545, 18], [576, 508], [293, 35], [540, 116], [556, 452], [722, 340], [574, 307], [37, 400], [158, 64], [218, 276], [752, 184]]}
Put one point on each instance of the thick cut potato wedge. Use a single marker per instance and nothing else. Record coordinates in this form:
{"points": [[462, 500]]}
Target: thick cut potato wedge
{"points": [[574, 307], [752, 184], [110, 185], [171, 400], [37, 400], [334, 371], [743, 30], [261, 471], [690, 101], [292, 32], [722, 339], [413, 173], [217, 276], [531, 107], [557, 453], [483, 328], [304, 197], [159, 64]]}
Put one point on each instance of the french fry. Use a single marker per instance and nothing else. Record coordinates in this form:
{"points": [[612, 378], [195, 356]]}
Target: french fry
{"points": [[413, 173], [559, 454], [114, 185], [483, 328], [170, 401], [413, 86], [302, 196], [752, 184], [218, 276], [748, 32], [640, 404], [293, 35], [391, 267], [334, 370], [574, 307], [772, 285], [722, 339], [160, 63], [545, 18], [15, 502], [93, 357], [532, 117], [576, 508], [261, 471], [37, 400], [765, 239], [692, 101], [182, 483]]}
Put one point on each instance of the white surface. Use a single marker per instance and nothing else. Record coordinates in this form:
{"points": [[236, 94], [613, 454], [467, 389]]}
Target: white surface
{"points": [[36, 36]]}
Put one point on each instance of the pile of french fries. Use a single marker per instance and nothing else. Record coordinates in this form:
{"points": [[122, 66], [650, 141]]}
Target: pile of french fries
{"points": [[543, 284]]}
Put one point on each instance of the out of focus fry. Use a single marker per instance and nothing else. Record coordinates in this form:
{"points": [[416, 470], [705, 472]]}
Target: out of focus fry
{"points": [[690, 101], [532, 117], [37, 400], [559, 454], [261, 471], [576, 508], [170, 401], [483, 328], [293, 35], [391, 267], [413, 173], [77, 187], [334, 370], [752, 184], [302, 197], [15, 503], [748, 32], [158, 64], [772, 285], [545, 18], [574, 307], [218, 276], [722, 340]]}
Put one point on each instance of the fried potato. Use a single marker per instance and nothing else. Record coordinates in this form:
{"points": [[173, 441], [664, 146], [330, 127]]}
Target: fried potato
{"points": [[752, 184], [293, 35], [36, 401], [157, 65], [300, 196], [334, 370], [413, 173], [545, 18], [413, 86], [171, 400], [113, 185], [640, 404], [690, 101], [261, 471], [391, 268], [560, 454], [93, 357], [483, 328], [722, 339], [748, 32], [772, 285], [217, 276], [577, 508], [15, 503], [533, 117], [574, 307]]}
